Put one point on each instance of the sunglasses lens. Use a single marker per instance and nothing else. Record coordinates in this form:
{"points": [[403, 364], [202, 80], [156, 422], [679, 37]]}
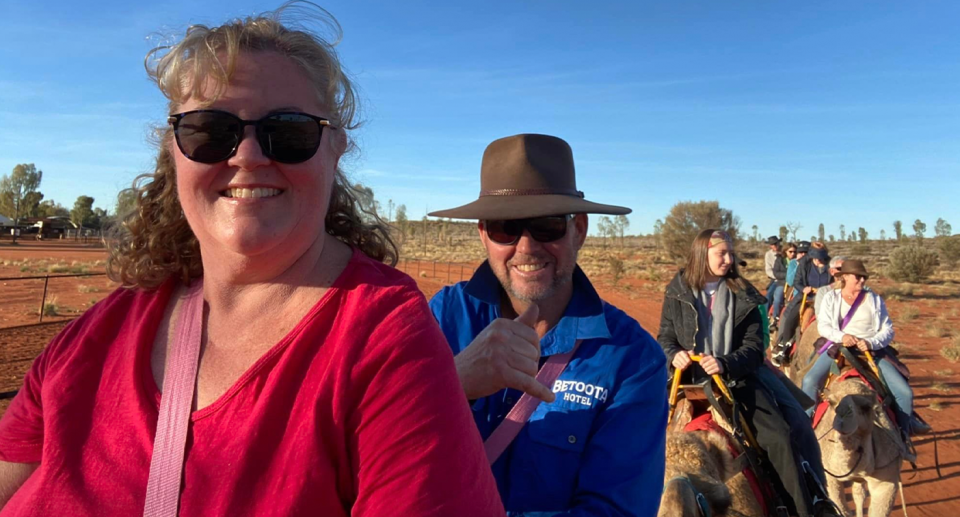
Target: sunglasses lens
{"points": [[504, 232], [289, 137], [208, 136], [542, 229], [548, 229]]}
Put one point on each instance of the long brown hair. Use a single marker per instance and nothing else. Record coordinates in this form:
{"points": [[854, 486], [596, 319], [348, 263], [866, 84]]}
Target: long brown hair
{"points": [[154, 241], [697, 270]]}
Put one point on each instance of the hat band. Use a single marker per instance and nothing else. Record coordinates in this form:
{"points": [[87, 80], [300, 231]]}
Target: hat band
{"points": [[531, 192]]}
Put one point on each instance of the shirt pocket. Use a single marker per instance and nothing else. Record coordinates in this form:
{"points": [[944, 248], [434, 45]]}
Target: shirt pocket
{"points": [[550, 456]]}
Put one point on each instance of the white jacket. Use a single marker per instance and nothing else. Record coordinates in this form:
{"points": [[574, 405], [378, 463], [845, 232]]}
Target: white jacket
{"points": [[828, 321]]}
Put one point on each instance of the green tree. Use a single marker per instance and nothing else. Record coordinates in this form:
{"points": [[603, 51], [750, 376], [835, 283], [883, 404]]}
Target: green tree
{"points": [[15, 191], [126, 203], [843, 232], [941, 229], [658, 233], [832, 238], [390, 207], [756, 233], [898, 230], [51, 208], [402, 221], [883, 235], [82, 214], [783, 232], [821, 231], [919, 228], [605, 227], [863, 235], [621, 223], [686, 219]]}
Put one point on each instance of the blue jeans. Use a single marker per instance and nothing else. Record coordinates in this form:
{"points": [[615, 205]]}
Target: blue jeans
{"points": [[770, 291], [777, 300], [899, 387], [815, 377]]}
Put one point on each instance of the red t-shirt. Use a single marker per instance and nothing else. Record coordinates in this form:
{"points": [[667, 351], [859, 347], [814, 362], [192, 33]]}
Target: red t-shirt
{"points": [[357, 411]]}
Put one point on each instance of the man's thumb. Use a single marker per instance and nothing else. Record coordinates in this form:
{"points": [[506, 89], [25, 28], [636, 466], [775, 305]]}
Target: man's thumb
{"points": [[529, 316]]}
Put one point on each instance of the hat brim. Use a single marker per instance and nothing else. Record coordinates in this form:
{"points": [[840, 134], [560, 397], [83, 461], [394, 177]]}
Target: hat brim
{"points": [[525, 207]]}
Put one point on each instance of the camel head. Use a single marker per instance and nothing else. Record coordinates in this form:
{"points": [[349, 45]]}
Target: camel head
{"points": [[697, 466], [854, 405]]}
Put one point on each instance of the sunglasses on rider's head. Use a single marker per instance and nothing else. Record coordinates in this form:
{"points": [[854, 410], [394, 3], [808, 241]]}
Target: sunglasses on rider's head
{"points": [[543, 229], [211, 136]]}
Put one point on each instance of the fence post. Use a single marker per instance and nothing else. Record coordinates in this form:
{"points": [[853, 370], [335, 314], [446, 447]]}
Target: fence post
{"points": [[43, 301]]}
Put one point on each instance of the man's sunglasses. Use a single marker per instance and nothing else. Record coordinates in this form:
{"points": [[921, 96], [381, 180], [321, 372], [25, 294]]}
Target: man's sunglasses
{"points": [[211, 136], [542, 229]]}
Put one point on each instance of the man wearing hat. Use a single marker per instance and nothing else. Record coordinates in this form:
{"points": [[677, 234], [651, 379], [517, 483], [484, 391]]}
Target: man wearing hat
{"points": [[811, 275], [569, 393]]}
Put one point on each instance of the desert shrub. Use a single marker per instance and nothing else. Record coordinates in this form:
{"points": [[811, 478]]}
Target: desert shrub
{"points": [[936, 329], [616, 268], [908, 313], [950, 251], [935, 405], [58, 268], [687, 218], [860, 250], [951, 351], [911, 264], [51, 307]]}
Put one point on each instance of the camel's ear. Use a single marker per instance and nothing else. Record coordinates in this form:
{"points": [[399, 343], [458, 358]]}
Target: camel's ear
{"points": [[717, 494]]}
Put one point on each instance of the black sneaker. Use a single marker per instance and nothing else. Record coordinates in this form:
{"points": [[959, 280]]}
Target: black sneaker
{"points": [[918, 426], [779, 357]]}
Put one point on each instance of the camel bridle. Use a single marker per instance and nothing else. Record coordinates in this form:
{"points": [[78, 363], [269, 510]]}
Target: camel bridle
{"points": [[702, 503]]}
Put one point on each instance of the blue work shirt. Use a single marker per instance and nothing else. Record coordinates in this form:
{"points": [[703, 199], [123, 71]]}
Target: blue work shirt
{"points": [[599, 448]]}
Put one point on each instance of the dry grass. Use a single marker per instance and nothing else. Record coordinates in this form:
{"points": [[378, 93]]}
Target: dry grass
{"points": [[937, 330], [51, 307], [951, 351], [941, 387], [936, 405], [943, 373], [908, 313]]}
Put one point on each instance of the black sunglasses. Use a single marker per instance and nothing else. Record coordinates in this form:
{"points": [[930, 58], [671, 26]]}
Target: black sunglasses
{"points": [[542, 229], [211, 136]]}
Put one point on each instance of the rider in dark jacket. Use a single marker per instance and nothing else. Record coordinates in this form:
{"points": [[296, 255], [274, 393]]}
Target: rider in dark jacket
{"points": [[684, 329]]}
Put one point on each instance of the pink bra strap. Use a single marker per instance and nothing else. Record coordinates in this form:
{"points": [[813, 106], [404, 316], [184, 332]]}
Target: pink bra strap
{"points": [[504, 434], [176, 403]]}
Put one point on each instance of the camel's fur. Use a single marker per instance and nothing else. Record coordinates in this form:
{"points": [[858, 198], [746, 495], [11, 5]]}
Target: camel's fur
{"points": [[705, 459], [855, 420]]}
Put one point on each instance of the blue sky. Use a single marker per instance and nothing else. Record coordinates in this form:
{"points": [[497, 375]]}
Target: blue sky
{"points": [[833, 112]]}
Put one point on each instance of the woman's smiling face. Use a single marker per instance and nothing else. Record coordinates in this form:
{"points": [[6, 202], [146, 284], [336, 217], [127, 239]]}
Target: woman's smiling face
{"points": [[249, 204]]}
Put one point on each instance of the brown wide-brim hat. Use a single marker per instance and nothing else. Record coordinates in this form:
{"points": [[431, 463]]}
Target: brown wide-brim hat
{"points": [[525, 176], [853, 267]]}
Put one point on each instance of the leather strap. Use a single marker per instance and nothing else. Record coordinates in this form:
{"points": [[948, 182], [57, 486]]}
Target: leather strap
{"points": [[176, 403], [504, 434]]}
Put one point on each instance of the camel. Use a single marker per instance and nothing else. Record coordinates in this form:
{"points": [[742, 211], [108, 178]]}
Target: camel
{"points": [[859, 445], [700, 462], [804, 355]]}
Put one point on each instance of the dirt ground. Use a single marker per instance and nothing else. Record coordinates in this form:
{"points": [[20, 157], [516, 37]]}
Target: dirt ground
{"points": [[918, 315]]}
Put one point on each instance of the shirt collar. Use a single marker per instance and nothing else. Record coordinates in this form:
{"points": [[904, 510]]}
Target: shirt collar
{"points": [[582, 319]]}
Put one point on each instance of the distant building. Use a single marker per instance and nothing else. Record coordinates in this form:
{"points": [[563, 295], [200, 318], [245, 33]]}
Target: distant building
{"points": [[6, 222], [49, 227]]}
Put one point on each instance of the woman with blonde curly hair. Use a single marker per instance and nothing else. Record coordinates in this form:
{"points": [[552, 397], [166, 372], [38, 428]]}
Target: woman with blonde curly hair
{"points": [[299, 374]]}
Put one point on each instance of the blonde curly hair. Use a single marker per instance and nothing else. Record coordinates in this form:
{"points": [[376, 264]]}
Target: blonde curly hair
{"points": [[154, 241]]}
